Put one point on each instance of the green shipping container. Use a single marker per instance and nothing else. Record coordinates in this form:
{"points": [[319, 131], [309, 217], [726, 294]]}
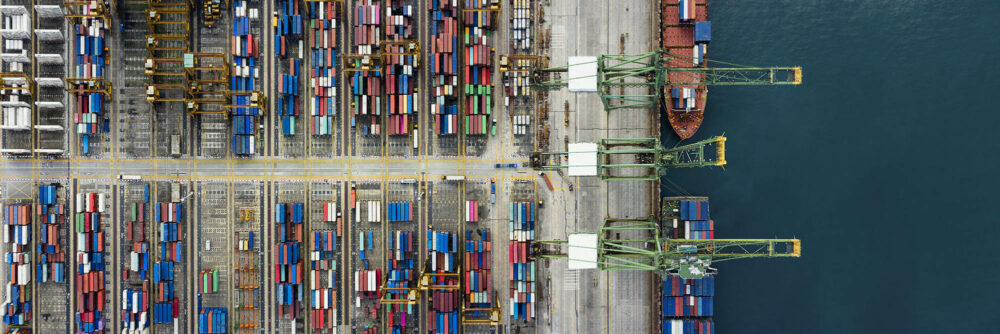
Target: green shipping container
{"points": [[135, 209], [215, 280], [466, 124]]}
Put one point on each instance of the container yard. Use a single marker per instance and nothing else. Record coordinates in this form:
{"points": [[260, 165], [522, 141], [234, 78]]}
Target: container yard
{"points": [[359, 166]]}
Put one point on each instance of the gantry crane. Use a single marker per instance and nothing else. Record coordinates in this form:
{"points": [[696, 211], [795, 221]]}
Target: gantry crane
{"points": [[639, 245], [377, 61], [76, 10], [653, 71], [208, 82], [16, 81], [622, 154]]}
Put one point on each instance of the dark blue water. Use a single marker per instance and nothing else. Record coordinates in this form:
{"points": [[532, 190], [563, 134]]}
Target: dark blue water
{"points": [[884, 162]]}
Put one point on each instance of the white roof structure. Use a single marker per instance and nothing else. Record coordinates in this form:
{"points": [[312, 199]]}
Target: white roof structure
{"points": [[582, 159], [49, 82], [48, 34], [49, 104], [49, 58], [582, 252], [582, 73], [49, 11]]}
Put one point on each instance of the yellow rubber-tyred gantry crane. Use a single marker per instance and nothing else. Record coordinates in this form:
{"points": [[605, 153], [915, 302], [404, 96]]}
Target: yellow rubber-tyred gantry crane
{"points": [[429, 280]]}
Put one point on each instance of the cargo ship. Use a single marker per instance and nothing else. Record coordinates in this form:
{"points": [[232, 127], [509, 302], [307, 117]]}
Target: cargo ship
{"points": [[685, 33], [686, 304]]}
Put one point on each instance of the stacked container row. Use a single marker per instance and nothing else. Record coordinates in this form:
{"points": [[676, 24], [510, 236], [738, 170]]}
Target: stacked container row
{"points": [[478, 67], [401, 69], [400, 212], [478, 282], [135, 309], [323, 72], [444, 65], [17, 258], [212, 320], [471, 211], [366, 86], [688, 326], [402, 267], [288, 258], [245, 49], [323, 262], [90, 275], [90, 62], [51, 263], [288, 34], [522, 274], [521, 25], [442, 315]]}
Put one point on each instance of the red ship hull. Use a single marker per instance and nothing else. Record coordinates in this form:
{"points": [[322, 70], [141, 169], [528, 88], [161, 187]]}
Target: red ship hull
{"points": [[678, 38]]}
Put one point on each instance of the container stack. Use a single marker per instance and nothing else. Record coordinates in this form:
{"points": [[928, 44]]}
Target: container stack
{"points": [[687, 305], [471, 211], [366, 281], [521, 26], [323, 264], [478, 282], [522, 274], [516, 82], [166, 308], [288, 258], [90, 293], [400, 69], [135, 300], [372, 209], [402, 274], [288, 36], [169, 216], [323, 74], [136, 235], [686, 8], [90, 62], [288, 102], [17, 257], [51, 264], [442, 315], [209, 281], [400, 212], [246, 299], [521, 124], [245, 71], [683, 98], [212, 320], [444, 65], [702, 36], [366, 86], [135, 308], [478, 61], [323, 268]]}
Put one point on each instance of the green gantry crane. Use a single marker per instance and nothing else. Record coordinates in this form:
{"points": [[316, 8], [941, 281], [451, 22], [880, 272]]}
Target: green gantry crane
{"points": [[631, 159], [637, 80], [639, 245]]}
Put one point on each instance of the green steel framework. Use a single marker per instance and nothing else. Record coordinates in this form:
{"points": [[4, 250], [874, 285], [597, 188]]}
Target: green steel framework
{"points": [[649, 154], [645, 74], [648, 251]]}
